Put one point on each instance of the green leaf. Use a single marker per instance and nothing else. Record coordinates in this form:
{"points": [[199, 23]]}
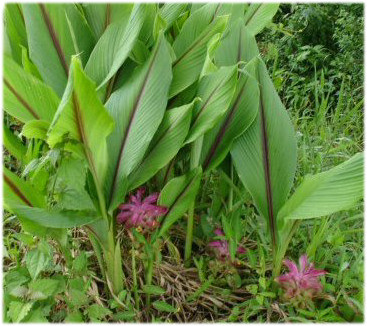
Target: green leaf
{"points": [[70, 185], [265, 155], [58, 219], [14, 144], [100, 15], [124, 315], [25, 96], [216, 91], [153, 290], [48, 28], [240, 115], [138, 108], [115, 45], [326, 193], [15, 29], [74, 317], [164, 306], [171, 11], [43, 288], [237, 44], [36, 262], [36, 129], [96, 311], [190, 46], [37, 316], [19, 310], [82, 116], [28, 64], [164, 146], [258, 15], [177, 195], [18, 192]]}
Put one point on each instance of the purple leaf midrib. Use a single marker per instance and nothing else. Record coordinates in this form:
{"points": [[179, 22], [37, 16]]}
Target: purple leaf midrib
{"points": [[266, 163], [17, 190], [195, 42], [224, 127], [135, 108], [21, 99], [55, 40]]}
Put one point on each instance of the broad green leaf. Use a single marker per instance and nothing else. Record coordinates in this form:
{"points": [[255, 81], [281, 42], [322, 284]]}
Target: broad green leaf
{"points": [[19, 192], [36, 129], [138, 108], [114, 46], [241, 113], [215, 91], [326, 193], [58, 219], [258, 15], [101, 15], [164, 306], [238, 44], [19, 310], [265, 154], [171, 11], [28, 65], [178, 194], [15, 29], [146, 33], [25, 96], [36, 262], [14, 144], [164, 146], [190, 46], [48, 28], [82, 117], [153, 289]]}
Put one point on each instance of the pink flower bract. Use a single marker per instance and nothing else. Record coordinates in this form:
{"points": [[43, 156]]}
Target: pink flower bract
{"points": [[301, 282], [221, 247], [139, 212]]}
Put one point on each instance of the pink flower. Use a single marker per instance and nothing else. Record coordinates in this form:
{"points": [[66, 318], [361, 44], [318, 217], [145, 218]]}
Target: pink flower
{"points": [[221, 247], [302, 283], [139, 212]]}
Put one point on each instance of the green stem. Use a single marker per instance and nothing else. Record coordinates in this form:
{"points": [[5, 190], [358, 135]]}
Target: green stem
{"points": [[135, 281], [194, 162], [230, 195], [279, 254], [149, 277], [189, 234]]}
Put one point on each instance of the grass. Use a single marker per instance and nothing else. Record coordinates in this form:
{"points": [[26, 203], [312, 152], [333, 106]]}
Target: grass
{"points": [[208, 290]]}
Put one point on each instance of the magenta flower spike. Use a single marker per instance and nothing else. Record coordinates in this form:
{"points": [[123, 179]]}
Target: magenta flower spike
{"points": [[302, 283], [221, 247], [139, 212]]}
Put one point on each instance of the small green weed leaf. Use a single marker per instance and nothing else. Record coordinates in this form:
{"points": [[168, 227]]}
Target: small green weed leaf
{"points": [[74, 317], [124, 315], [43, 288], [19, 310], [37, 316], [36, 262], [97, 312], [153, 289], [164, 306], [80, 263]]}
